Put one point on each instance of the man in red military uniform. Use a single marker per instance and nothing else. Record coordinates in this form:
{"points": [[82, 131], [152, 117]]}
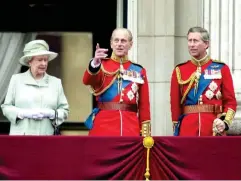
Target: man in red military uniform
{"points": [[202, 100], [121, 90]]}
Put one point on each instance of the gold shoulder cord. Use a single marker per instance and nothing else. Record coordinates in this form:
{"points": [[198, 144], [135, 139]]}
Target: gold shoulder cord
{"points": [[190, 80], [109, 73], [97, 92]]}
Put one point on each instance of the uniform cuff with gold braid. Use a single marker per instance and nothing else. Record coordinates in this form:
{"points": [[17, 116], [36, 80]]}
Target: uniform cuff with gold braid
{"points": [[227, 117], [146, 128]]}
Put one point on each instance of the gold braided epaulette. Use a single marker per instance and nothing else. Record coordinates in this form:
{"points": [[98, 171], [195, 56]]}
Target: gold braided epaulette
{"points": [[218, 61]]}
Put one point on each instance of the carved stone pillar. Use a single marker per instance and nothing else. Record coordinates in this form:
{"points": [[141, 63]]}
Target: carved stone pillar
{"points": [[159, 30], [223, 20]]}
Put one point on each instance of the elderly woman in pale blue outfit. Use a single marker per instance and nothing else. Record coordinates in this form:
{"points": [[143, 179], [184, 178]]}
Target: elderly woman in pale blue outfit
{"points": [[35, 100]]}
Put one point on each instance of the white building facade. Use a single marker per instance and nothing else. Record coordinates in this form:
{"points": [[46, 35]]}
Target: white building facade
{"points": [[159, 30]]}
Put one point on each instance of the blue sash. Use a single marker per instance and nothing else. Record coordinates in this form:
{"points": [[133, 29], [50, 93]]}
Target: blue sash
{"points": [[109, 95], [192, 99]]}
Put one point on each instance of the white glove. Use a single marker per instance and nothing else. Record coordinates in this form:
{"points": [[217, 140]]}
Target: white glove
{"points": [[218, 125], [30, 113], [48, 113]]}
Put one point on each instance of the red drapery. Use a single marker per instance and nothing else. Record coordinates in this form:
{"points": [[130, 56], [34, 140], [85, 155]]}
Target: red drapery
{"points": [[196, 158], [119, 158], [71, 158]]}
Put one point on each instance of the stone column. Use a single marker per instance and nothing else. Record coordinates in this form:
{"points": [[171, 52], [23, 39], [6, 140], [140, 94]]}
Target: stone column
{"points": [[119, 16], [132, 25], [234, 9], [188, 13], [223, 20], [152, 25], [159, 29]]}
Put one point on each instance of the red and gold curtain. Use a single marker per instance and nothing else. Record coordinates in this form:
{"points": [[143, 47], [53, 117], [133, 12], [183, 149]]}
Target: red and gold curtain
{"points": [[119, 158]]}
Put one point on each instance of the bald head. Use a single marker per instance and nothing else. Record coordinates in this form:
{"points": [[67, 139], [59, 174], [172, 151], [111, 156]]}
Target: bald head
{"points": [[122, 30]]}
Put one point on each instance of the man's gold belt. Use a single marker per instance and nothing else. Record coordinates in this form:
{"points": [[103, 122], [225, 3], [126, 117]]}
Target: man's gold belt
{"points": [[217, 109]]}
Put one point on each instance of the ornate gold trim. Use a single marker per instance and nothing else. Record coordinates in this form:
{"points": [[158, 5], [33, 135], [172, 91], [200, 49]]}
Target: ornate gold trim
{"points": [[218, 61], [229, 116], [118, 59], [187, 90], [179, 77], [98, 93], [96, 90], [107, 72], [190, 80], [146, 128], [200, 62]]}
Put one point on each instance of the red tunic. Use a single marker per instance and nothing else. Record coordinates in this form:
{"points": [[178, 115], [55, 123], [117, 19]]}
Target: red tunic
{"points": [[115, 122], [219, 91]]}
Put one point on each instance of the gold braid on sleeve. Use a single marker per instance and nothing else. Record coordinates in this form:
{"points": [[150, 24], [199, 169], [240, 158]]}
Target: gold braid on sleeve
{"points": [[146, 128], [190, 80], [229, 116]]}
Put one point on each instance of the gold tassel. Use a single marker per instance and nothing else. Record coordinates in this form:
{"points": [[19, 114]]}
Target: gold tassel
{"points": [[148, 143]]}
